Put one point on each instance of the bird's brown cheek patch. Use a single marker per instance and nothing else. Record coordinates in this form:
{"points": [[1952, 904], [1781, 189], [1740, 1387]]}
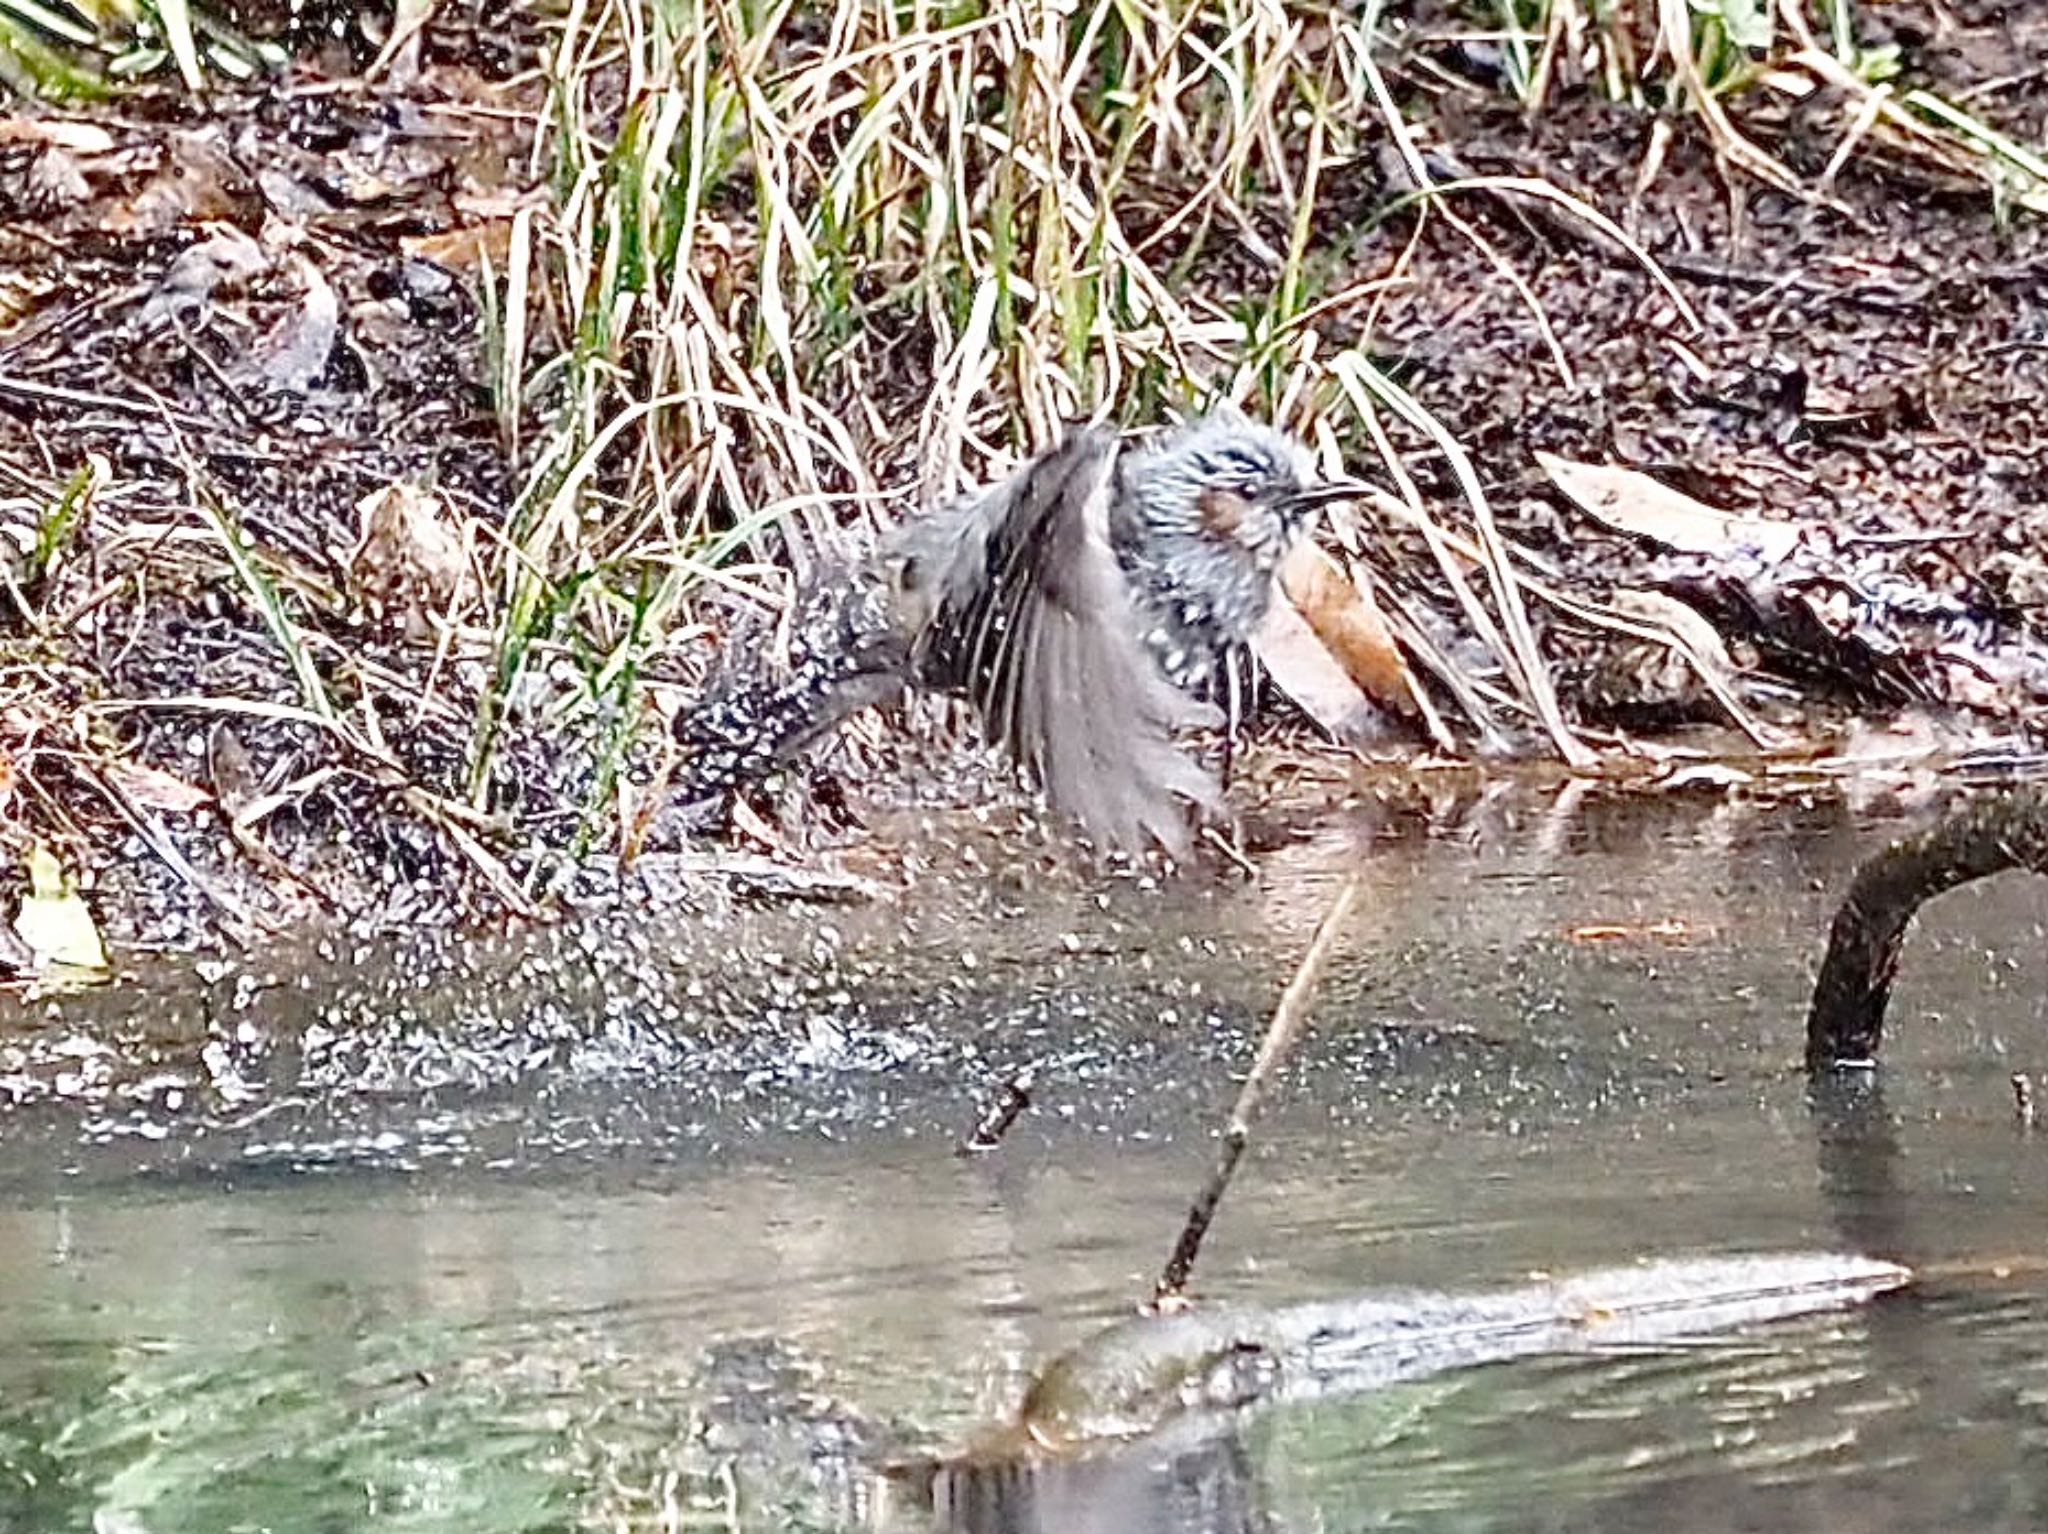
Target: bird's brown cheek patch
{"points": [[1222, 511]]}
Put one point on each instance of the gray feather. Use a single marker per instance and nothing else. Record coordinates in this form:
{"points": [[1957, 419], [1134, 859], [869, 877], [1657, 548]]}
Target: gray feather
{"points": [[1024, 607]]}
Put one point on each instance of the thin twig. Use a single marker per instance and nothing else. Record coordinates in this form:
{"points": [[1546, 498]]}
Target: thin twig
{"points": [[1289, 1019], [1010, 1102]]}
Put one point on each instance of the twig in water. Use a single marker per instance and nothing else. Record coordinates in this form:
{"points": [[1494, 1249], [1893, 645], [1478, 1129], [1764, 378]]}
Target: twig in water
{"points": [[1011, 1101], [1289, 1018]]}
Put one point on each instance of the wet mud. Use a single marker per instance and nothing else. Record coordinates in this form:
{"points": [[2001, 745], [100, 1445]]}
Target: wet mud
{"points": [[1865, 365]]}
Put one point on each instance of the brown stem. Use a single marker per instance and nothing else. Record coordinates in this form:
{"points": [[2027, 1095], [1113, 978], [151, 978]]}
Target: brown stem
{"points": [[1289, 1019], [1845, 1025]]}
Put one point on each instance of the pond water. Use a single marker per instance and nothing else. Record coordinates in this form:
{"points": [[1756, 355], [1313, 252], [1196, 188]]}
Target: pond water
{"points": [[669, 1233]]}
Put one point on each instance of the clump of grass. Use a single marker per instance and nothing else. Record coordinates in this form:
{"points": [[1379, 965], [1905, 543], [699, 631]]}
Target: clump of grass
{"points": [[806, 259], [806, 262], [71, 49], [1704, 54]]}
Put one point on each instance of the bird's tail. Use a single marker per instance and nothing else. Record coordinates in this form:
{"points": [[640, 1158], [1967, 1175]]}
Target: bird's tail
{"points": [[752, 731], [844, 657]]}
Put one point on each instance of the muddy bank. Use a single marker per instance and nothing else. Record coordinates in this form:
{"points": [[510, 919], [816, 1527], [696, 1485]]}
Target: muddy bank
{"points": [[245, 343]]}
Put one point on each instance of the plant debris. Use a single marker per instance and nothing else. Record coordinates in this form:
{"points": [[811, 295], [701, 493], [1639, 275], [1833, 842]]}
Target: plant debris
{"points": [[379, 472]]}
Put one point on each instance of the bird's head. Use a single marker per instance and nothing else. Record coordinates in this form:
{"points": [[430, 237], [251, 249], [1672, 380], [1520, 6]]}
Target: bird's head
{"points": [[1225, 476]]}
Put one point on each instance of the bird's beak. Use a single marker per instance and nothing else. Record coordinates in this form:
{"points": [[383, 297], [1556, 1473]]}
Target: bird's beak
{"points": [[1345, 525], [1312, 496]]}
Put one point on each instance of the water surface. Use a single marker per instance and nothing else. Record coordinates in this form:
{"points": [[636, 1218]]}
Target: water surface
{"points": [[667, 1232]]}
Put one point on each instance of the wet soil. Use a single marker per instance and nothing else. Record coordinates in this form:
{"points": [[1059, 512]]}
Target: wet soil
{"points": [[1869, 367], [1869, 371]]}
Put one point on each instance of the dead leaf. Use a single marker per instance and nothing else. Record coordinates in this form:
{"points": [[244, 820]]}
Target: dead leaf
{"points": [[154, 789], [198, 180], [485, 234], [234, 775], [57, 133], [1631, 502], [226, 258], [1652, 683], [1327, 648], [1348, 622], [54, 920], [56, 182], [465, 249], [294, 354], [1308, 673], [411, 561], [21, 294], [1661, 610]]}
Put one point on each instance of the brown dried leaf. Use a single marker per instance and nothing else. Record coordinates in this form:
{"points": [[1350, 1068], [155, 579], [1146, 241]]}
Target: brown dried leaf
{"points": [[154, 789], [464, 249], [411, 561], [57, 133], [1328, 649], [1347, 621], [1303, 669], [198, 181], [234, 775]]}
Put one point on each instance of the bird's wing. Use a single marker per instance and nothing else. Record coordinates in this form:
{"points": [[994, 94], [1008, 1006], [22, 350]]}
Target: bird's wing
{"points": [[1019, 601]]}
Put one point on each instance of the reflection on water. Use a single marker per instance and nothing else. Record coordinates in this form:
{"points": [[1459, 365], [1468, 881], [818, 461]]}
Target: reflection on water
{"points": [[755, 1296]]}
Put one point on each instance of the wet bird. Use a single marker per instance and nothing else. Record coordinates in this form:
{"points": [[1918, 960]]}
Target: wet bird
{"points": [[1090, 606]]}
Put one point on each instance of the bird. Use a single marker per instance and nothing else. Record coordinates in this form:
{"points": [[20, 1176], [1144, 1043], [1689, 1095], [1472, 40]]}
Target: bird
{"points": [[1090, 606]]}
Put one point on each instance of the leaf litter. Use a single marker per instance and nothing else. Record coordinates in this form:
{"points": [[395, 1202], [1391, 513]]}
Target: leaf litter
{"points": [[1816, 510]]}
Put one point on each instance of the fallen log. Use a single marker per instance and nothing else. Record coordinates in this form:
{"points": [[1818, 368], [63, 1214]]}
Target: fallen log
{"points": [[1154, 1369]]}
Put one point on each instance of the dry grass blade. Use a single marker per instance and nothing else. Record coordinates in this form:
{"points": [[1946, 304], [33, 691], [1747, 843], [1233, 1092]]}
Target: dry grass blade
{"points": [[1600, 223], [175, 17], [1675, 34], [1519, 652], [1418, 173], [1938, 130]]}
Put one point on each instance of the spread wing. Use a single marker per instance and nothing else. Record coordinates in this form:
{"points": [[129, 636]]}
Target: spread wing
{"points": [[1019, 602]]}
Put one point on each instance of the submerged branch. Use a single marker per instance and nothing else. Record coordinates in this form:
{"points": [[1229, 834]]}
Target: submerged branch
{"points": [[1845, 1025], [1289, 1018]]}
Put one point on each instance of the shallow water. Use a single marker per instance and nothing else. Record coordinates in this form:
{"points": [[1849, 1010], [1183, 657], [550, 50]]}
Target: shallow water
{"points": [[670, 1234]]}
